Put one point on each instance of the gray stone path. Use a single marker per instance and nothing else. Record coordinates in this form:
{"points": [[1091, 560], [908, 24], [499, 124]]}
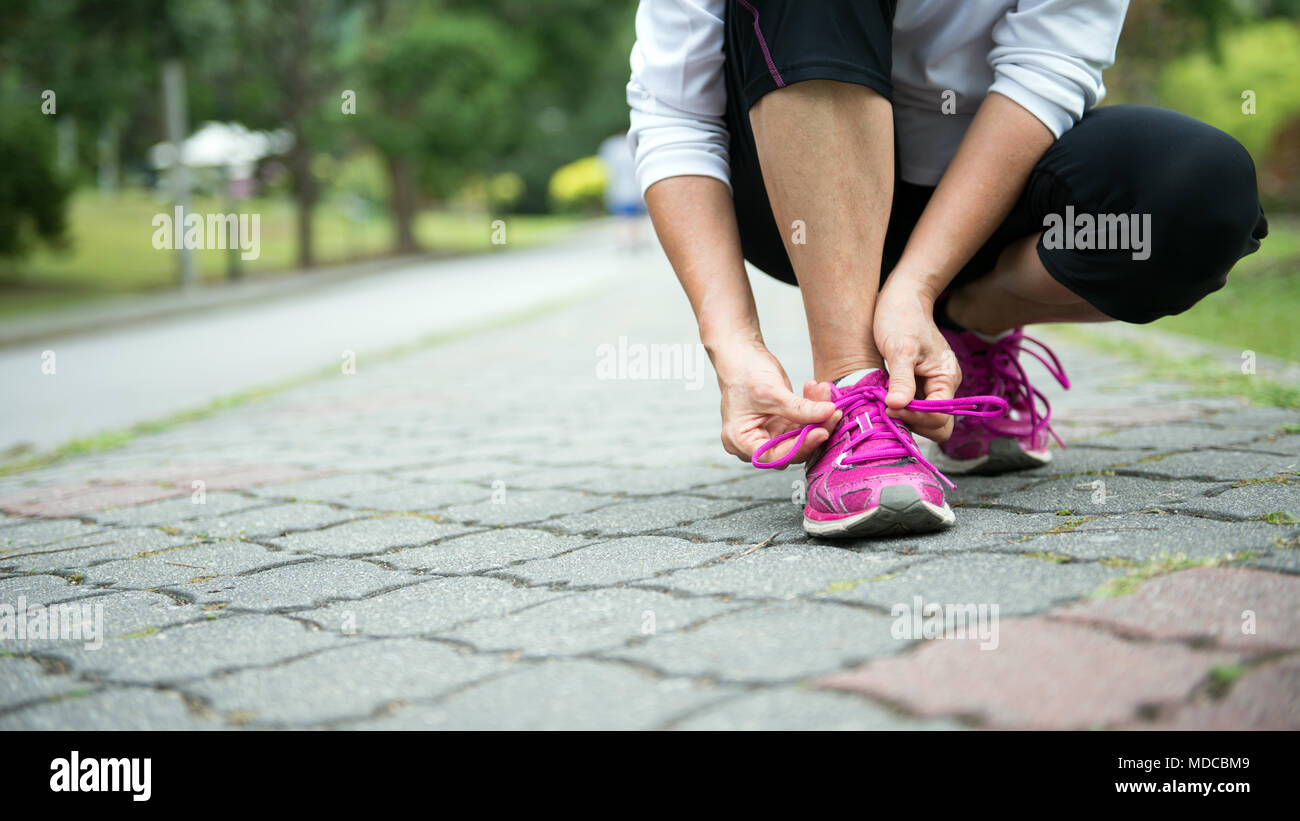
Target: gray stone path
{"points": [[484, 534]]}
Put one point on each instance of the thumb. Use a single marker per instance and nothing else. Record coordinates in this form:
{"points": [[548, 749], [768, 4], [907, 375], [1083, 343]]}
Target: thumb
{"points": [[805, 411], [902, 384]]}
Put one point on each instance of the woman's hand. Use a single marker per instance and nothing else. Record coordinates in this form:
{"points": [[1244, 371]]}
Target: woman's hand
{"points": [[759, 404], [921, 365]]}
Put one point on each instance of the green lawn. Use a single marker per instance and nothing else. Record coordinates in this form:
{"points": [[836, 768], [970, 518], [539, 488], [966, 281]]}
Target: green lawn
{"points": [[1259, 308], [111, 246]]}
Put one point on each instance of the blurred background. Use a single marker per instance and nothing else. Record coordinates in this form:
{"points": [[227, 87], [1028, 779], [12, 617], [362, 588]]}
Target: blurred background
{"points": [[360, 129]]}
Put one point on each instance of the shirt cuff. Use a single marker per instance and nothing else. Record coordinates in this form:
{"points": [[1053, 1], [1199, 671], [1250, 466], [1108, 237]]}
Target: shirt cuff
{"points": [[1055, 116]]}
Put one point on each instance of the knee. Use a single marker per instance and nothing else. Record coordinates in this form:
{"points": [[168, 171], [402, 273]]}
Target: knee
{"points": [[1205, 214]]}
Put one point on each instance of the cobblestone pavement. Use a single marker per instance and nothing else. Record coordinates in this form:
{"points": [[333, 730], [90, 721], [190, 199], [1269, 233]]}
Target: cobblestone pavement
{"points": [[485, 534]]}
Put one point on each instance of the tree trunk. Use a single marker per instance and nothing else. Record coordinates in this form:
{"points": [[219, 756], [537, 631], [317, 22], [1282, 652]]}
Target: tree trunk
{"points": [[305, 193], [401, 174]]}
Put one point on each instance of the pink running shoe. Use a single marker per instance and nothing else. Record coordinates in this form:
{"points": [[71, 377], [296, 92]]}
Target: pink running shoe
{"points": [[1017, 442], [870, 478]]}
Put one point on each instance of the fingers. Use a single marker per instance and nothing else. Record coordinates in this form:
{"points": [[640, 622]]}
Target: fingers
{"points": [[798, 409], [902, 378]]}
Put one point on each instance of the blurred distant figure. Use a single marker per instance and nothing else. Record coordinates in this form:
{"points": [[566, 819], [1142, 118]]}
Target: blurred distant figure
{"points": [[622, 192]]}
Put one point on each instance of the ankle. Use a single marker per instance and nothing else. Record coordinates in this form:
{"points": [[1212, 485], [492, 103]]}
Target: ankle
{"points": [[830, 369]]}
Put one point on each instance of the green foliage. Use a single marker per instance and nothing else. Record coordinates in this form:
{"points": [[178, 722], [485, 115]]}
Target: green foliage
{"points": [[33, 196], [442, 92], [1263, 58]]}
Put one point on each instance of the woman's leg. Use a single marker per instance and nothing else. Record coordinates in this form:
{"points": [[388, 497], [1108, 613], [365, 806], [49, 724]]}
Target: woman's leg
{"points": [[827, 155], [1017, 292], [1188, 196]]}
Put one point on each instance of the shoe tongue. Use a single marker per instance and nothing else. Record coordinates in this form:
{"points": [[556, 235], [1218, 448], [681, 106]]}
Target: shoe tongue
{"points": [[866, 376]]}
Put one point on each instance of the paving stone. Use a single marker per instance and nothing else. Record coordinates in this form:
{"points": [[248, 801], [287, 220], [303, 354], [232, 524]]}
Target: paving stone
{"points": [[363, 677], [798, 708], [768, 643], [480, 470], [364, 537], [181, 508], [337, 489], [973, 490], [1219, 465], [24, 680], [24, 533], [614, 697], [587, 621], [40, 590], [133, 612], [1248, 502], [1208, 604], [520, 506], [485, 550], [619, 560], [1016, 584], [269, 522], [102, 545], [622, 481], [420, 497], [198, 649], [120, 708], [78, 498], [977, 529], [762, 486], [1266, 698], [1147, 536], [300, 585], [196, 564], [1083, 458], [426, 608], [778, 521], [782, 571], [1043, 675], [635, 517], [1176, 437], [1122, 494]]}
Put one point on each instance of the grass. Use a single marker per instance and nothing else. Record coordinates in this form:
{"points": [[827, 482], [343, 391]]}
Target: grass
{"points": [[1163, 564], [1257, 309], [1205, 374], [111, 251]]}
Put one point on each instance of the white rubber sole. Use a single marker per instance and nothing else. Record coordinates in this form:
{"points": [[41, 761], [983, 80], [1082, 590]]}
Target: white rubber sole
{"points": [[1004, 456], [901, 510]]}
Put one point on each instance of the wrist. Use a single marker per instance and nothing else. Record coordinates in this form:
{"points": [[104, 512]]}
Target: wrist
{"points": [[732, 353], [925, 288]]}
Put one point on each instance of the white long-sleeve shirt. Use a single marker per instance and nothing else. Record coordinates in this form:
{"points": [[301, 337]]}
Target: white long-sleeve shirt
{"points": [[1046, 55]]}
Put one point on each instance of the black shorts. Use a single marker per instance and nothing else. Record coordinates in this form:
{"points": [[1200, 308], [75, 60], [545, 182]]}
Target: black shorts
{"points": [[1194, 183]]}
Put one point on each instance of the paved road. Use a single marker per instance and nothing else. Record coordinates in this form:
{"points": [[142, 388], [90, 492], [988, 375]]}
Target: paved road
{"points": [[487, 534], [110, 379]]}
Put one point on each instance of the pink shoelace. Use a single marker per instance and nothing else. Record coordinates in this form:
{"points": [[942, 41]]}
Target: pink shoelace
{"points": [[1003, 375], [869, 400]]}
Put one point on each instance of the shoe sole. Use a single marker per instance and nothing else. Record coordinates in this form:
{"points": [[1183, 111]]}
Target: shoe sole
{"points": [[1004, 456], [901, 511]]}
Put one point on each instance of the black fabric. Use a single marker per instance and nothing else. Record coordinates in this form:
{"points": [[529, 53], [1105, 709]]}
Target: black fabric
{"points": [[1197, 183]]}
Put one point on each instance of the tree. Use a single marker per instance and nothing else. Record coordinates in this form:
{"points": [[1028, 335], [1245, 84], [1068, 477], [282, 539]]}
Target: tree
{"points": [[439, 99]]}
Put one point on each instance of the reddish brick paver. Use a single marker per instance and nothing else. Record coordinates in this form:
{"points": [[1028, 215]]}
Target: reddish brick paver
{"points": [[129, 489], [1044, 675], [1221, 605], [1267, 698]]}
